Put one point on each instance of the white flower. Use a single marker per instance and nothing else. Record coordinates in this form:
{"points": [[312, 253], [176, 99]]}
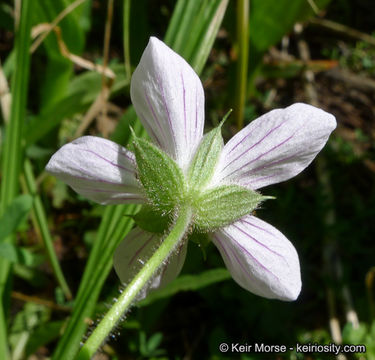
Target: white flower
{"points": [[169, 100]]}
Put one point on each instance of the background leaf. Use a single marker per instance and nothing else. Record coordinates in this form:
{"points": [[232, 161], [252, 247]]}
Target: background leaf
{"points": [[19, 255], [14, 214]]}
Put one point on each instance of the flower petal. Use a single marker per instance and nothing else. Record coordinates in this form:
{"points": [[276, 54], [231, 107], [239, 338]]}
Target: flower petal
{"points": [[169, 100], [134, 251], [98, 169], [275, 147], [260, 258]]}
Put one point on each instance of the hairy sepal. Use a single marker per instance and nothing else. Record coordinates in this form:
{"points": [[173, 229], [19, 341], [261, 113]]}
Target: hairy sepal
{"points": [[223, 205], [160, 176], [203, 165], [152, 220]]}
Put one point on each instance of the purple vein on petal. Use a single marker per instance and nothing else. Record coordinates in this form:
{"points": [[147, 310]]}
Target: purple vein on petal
{"points": [[257, 143], [140, 249], [100, 190], [240, 263], [261, 155], [253, 257], [106, 160], [154, 114], [257, 227], [261, 178], [222, 247], [150, 130], [243, 139], [160, 84], [120, 151], [132, 198], [94, 178], [265, 166], [184, 98], [258, 242]]}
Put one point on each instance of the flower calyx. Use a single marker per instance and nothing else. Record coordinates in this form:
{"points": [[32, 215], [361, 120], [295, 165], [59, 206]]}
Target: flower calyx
{"points": [[167, 188]]}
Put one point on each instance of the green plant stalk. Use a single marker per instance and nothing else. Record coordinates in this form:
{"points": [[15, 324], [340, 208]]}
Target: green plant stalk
{"points": [[178, 31], [208, 36], [96, 272], [205, 17], [243, 41], [12, 153], [42, 226], [104, 229], [206, 10], [126, 41], [140, 280]]}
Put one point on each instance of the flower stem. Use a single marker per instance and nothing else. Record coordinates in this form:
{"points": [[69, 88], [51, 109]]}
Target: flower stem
{"points": [[243, 9], [140, 280]]}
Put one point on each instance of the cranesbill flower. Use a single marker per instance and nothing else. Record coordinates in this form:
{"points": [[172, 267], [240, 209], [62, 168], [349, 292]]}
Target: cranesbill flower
{"points": [[185, 168]]}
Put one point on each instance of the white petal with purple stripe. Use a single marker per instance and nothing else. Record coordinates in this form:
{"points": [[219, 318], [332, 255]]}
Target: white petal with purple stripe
{"points": [[260, 258], [135, 250], [98, 169], [275, 147], [169, 100]]}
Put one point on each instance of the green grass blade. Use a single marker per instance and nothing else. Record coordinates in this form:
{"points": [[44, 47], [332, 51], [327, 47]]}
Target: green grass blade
{"points": [[42, 226], [242, 47], [206, 41], [205, 17], [126, 37], [99, 265], [199, 23], [12, 152], [175, 22], [180, 25]]}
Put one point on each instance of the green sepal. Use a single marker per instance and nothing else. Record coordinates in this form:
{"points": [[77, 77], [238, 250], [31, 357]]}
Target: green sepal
{"points": [[152, 220], [203, 165], [223, 205], [160, 176]]}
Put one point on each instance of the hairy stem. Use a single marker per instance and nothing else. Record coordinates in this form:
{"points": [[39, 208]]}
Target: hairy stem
{"points": [[140, 280]]}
